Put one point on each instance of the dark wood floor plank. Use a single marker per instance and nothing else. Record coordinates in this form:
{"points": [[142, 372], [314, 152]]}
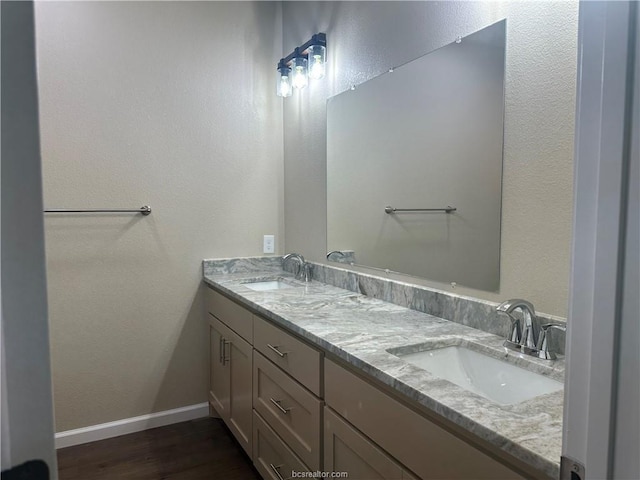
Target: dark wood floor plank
{"points": [[200, 449]]}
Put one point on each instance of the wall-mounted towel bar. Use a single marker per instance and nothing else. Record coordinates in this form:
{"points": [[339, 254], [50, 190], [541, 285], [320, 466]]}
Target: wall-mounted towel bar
{"points": [[391, 210], [144, 210]]}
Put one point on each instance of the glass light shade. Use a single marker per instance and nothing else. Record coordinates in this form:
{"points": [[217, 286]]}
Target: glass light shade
{"points": [[317, 61], [299, 72], [283, 82]]}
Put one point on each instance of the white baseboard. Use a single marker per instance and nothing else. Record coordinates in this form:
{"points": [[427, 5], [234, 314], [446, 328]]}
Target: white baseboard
{"points": [[130, 425]]}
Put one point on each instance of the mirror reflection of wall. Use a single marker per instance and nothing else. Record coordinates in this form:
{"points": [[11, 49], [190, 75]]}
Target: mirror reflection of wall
{"points": [[365, 38], [422, 137]]}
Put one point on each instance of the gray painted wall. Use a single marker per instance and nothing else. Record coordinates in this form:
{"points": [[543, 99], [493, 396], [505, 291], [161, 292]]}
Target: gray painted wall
{"points": [[170, 104], [366, 38], [27, 417]]}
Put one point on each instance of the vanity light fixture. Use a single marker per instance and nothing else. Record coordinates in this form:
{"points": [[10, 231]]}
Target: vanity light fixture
{"points": [[284, 87], [317, 61], [307, 60], [299, 71]]}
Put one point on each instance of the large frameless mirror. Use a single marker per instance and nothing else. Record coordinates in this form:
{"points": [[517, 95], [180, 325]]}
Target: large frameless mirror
{"points": [[414, 165]]}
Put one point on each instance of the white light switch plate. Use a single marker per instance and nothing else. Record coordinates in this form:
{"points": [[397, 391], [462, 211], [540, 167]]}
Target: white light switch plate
{"points": [[269, 244]]}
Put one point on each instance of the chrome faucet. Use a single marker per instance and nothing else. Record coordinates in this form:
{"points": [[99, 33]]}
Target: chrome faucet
{"points": [[303, 268], [524, 333]]}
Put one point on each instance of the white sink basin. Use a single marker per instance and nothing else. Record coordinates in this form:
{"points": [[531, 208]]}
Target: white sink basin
{"points": [[489, 377], [261, 286]]}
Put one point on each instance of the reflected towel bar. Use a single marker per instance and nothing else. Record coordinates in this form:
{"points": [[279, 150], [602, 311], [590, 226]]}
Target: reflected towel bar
{"points": [[390, 210], [144, 210]]}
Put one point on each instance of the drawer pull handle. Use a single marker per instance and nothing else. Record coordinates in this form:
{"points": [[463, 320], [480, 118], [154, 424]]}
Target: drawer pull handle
{"points": [[275, 349], [275, 470], [280, 407], [220, 349]]}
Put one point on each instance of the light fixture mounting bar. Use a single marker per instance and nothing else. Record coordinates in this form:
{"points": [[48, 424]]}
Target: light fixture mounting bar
{"points": [[317, 39]]}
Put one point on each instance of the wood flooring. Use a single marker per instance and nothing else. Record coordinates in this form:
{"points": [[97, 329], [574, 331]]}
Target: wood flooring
{"points": [[200, 449]]}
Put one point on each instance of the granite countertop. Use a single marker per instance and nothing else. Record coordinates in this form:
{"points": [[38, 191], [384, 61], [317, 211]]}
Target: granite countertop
{"points": [[360, 329]]}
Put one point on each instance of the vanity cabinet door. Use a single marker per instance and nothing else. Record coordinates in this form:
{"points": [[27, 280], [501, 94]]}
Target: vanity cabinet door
{"points": [[435, 454], [231, 382], [239, 358], [218, 374], [347, 450]]}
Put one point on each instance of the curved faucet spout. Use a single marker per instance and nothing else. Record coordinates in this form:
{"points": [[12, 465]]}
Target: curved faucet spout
{"points": [[297, 256], [510, 305], [525, 333], [299, 259]]}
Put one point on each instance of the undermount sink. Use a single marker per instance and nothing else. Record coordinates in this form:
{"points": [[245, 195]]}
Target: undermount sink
{"points": [[494, 379], [264, 285]]}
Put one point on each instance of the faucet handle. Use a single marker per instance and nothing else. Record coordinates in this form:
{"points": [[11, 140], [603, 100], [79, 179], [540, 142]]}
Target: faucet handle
{"points": [[543, 344], [552, 326]]}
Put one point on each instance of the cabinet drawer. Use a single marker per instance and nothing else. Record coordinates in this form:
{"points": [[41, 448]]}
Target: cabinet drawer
{"points": [[292, 355], [424, 447], [347, 450], [288, 408], [234, 316], [271, 457]]}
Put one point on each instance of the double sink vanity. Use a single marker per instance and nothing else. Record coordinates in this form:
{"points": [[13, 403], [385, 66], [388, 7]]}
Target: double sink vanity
{"points": [[337, 374], [324, 369]]}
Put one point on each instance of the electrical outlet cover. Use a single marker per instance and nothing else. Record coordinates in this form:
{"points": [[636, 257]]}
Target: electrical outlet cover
{"points": [[269, 244]]}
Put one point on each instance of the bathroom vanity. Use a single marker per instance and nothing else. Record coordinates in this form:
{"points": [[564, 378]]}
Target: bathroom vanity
{"points": [[312, 377]]}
